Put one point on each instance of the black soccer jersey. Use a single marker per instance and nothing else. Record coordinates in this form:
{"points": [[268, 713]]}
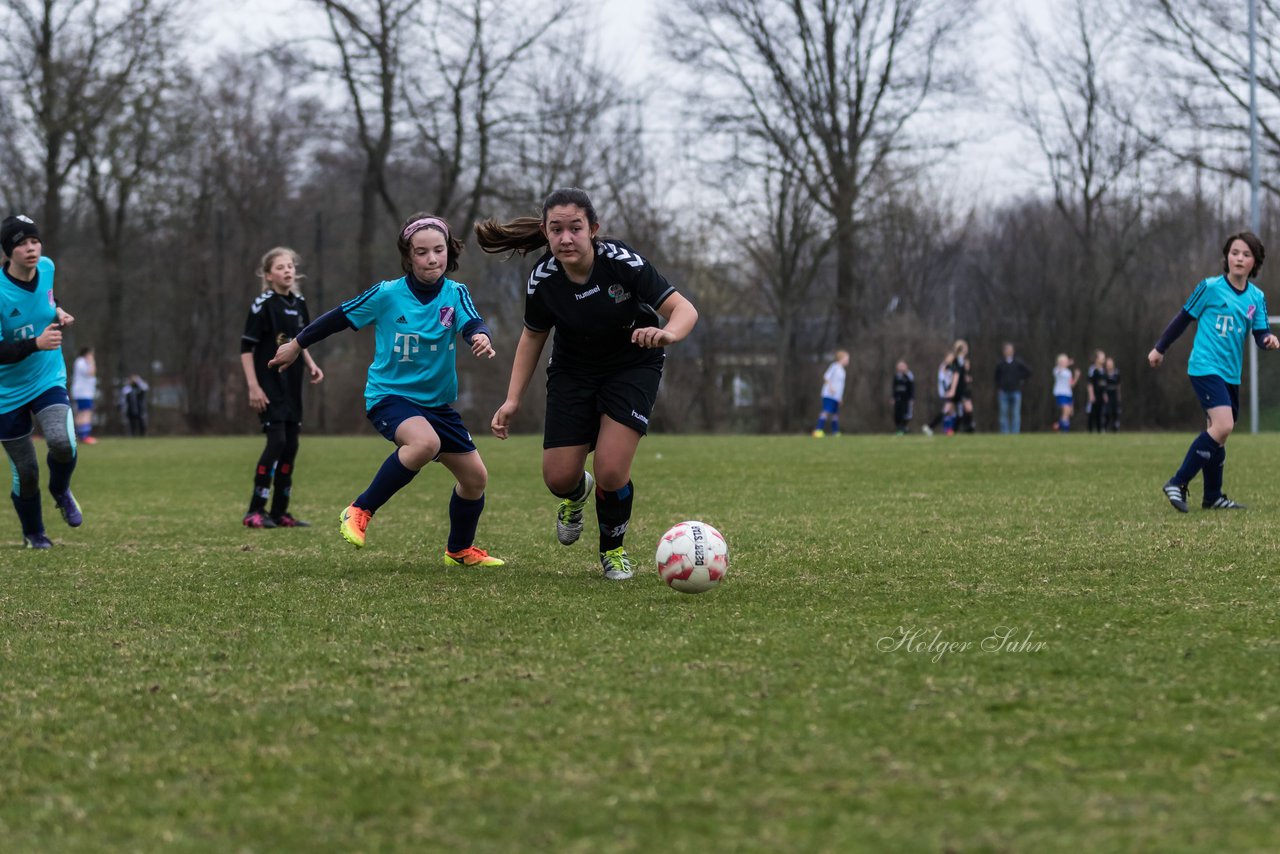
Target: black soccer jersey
{"points": [[593, 322], [1098, 381], [904, 387], [273, 320]]}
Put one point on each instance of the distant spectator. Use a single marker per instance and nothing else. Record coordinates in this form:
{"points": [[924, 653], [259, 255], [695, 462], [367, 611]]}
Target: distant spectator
{"points": [[1065, 378], [904, 397], [1097, 390], [962, 386], [1111, 404], [84, 388], [134, 403], [832, 394], [945, 416], [1011, 374]]}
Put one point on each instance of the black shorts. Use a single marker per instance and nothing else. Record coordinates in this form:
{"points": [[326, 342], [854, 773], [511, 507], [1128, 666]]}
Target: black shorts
{"points": [[576, 399]]}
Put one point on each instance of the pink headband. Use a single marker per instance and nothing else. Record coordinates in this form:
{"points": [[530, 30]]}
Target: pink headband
{"points": [[426, 222]]}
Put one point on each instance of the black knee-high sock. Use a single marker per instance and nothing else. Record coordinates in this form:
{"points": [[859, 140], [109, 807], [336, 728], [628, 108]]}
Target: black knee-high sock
{"points": [[613, 512], [29, 514], [464, 518], [1213, 469], [283, 482], [1197, 455], [266, 467]]}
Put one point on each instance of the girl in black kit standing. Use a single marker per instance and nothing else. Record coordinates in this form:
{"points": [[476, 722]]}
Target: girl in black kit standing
{"points": [[606, 303], [276, 316]]}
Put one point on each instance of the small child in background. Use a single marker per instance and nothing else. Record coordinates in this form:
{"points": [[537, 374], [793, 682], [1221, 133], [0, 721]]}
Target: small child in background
{"points": [[904, 396], [1065, 378], [832, 394]]}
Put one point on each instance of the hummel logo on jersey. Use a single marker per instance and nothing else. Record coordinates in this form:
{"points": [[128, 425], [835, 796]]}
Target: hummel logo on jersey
{"points": [[619, 253], [401, 319], [587, 293], [541, 272], [16, 313]]}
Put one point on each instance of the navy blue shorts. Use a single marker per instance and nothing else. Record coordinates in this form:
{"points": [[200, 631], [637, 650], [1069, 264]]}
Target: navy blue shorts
{"points": [[831, 405], [392, 411], [16, 424], [1214, 391]]}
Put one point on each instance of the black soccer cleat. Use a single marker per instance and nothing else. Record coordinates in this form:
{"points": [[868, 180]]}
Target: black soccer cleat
{"points": [[1222, 502], [1177, 495]]}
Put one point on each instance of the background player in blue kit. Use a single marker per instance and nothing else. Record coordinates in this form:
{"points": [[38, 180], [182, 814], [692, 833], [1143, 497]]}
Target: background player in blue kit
{"points": [[606, 304], [1226, 309], [33, 380], [414, 378], [277, 315]]}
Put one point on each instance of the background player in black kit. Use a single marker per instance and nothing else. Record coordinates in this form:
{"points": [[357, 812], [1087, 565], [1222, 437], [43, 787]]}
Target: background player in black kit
{"points": [[604, 301], [904, 398], [276, 316]]}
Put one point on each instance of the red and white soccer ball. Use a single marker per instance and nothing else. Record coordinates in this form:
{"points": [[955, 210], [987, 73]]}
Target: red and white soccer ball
{"points": [[692, 557]]}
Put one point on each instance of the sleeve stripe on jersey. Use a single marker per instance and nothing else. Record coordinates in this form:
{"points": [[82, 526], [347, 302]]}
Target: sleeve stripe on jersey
{"points": [[1195, 297], [618, 252], [465, 296], [355, 302]]}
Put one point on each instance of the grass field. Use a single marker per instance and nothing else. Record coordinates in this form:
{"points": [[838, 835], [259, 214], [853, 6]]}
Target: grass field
{"points": [[967, 643]]}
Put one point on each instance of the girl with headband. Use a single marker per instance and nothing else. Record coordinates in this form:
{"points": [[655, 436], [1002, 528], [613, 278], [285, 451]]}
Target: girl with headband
{"points": [[414, 379]]}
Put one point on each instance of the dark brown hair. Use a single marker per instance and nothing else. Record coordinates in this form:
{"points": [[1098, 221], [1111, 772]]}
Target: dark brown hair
{"points": [[452, 244], [1255, 246], [524, 234]]}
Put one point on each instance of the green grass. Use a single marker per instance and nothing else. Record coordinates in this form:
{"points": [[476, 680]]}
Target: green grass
{"points": [[170, 680]]}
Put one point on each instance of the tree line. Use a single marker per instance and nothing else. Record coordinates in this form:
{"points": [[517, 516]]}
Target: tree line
{"points": [[803, 203]]}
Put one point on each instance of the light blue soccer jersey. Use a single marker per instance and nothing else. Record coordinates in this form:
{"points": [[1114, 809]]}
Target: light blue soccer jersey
{"points": [[1225, 319], [414, 355], [25, 314]]}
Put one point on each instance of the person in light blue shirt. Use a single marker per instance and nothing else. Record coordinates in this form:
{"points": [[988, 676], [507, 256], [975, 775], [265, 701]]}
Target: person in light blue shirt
{"points": [[417, 319], [33, 380], [1226, 309]]}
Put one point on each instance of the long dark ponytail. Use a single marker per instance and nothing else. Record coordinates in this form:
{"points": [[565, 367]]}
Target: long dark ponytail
{"points": [[524, 234]]}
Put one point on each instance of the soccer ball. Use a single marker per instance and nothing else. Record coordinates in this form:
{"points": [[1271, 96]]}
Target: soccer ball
{"points": [[692, 557]]}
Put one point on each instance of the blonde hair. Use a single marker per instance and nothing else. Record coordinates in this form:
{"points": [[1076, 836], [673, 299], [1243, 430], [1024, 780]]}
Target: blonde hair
{"points": [[264, 267]]}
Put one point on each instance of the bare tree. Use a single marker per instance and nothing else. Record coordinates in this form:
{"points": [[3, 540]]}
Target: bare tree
{"points": [[1076, 96], [1201, 55], [369, 37], [69, 61], [828, 86]]}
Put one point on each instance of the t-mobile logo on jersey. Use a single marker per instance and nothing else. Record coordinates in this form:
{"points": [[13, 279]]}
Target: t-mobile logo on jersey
{"points": [[406, 344], [1226, 325]]}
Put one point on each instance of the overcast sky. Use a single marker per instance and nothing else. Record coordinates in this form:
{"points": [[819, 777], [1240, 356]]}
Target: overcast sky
{"points": [[994, 168]]}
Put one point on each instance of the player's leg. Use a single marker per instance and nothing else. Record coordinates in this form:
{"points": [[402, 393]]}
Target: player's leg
{"points": [[615, 494], [416, 445], [283, 483], [256, 516], [569, 432], [564, 472], [84, 420], [465, 506], [58, 428], [1221, 422], [26, 490]]}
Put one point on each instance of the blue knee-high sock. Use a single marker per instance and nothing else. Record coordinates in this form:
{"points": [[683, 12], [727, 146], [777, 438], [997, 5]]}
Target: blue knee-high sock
{"points": [[390, 479], [1200, 452], [29, 513], [60, 473], [835, 424], [1213, 469], [464, 517]]}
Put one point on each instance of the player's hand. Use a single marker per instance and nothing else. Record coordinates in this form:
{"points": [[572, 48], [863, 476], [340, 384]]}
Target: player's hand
{"points": [[1155, 357], [316, 374], [258, 399], [64, 318], [482, 346], [1271, 342], [502, 418], [651, 337], [50, 339], [286, 354]]}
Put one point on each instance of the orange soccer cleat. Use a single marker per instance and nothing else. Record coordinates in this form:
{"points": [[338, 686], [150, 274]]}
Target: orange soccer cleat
{"points": [[355, 521]]}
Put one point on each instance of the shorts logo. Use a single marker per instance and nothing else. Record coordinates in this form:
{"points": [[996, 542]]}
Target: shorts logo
{"points": [[619, 293], [446, 317], [637, 416]]}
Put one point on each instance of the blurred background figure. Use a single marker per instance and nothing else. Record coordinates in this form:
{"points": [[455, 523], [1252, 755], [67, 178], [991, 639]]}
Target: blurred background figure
{"points": [[1011, 374], [133, 401], [84, 388]]}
